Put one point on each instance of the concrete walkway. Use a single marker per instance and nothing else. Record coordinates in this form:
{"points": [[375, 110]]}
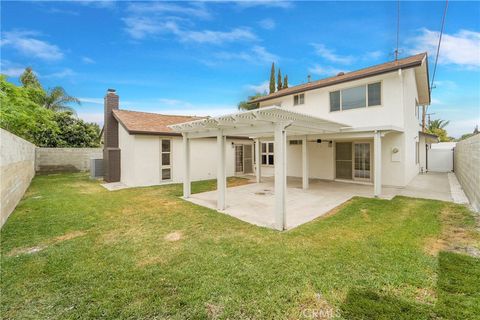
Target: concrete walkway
{"points": [[254, 203]]}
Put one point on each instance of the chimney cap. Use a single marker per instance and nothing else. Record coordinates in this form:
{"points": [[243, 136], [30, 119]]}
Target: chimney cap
{"points": [[341, 73], [109, 90]]}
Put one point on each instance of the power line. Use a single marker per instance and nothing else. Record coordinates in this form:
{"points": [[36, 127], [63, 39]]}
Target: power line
{"points": [[439, 43]]}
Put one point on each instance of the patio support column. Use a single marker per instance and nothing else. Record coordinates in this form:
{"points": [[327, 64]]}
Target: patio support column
{"points": [[280, 176], [221, 171], [186, 168], [377, 151], [304, 163], [258, 160]]}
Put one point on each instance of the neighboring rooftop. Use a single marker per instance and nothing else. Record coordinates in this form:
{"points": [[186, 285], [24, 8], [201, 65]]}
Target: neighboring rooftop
{"points": [[150, 123], [409, 62]]}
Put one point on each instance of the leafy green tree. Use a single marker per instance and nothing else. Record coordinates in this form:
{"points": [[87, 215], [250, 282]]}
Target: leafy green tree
{"points": [[75, 132], [29, 79], [437, 127], [272, 79], [246, 105], [285, 82], [24, 117], [57, 99], [279, 80], [468, 135]]}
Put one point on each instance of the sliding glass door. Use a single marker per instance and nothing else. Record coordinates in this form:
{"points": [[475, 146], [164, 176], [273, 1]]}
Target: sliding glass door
{"points": [[343, 160], [362, 161]]}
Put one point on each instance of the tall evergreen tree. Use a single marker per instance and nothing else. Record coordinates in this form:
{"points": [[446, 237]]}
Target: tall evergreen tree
{"points": [[272, 79], [279, 80], [29, 79], [285, 82]]}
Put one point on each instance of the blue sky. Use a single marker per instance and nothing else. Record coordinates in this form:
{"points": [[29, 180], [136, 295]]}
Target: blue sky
{"points": [[203, 57]]}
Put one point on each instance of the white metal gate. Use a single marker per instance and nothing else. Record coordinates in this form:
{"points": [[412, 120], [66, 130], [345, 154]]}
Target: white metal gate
{"points": [[440, 160]]}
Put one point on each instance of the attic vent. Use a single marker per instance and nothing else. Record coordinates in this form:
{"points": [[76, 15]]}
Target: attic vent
{"points": [[340, 73], [295, 142]]}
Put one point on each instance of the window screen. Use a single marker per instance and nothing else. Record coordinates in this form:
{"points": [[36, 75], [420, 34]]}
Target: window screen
{"points": [[335, 101], [374, 94], [343, 160], [166, 174], [298, 99], [353, 98]]}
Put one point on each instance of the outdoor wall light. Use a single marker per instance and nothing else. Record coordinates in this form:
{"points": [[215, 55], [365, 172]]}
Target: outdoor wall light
{"points": [[395, 150]]}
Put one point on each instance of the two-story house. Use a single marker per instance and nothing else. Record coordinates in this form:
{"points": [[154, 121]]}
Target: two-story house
{"points": [[358, 127]]}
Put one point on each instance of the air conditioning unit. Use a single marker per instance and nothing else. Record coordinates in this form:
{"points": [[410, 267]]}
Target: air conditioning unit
{"points": [[96, 168]]}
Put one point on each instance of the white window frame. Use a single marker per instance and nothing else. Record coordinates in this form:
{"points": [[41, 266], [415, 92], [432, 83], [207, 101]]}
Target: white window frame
{"points": [[162, 166], [267, 153], [366, 97], [298, 99]]}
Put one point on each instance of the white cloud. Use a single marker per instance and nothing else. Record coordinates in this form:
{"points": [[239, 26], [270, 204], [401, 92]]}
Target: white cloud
{"points": [[461, 48], [268, 24], [65, 73], [91, 100], [196, 9], [324, 71], [103, 4], [26, 44], [265, 3], [11, 69], [141, 27], [373, 55], [258, 88], [330, 55], [96, 117], [458, 127], [256, 55], [88, 60]]}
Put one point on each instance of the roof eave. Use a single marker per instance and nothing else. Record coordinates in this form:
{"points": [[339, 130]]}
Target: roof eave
{"points": [[363, 76]]}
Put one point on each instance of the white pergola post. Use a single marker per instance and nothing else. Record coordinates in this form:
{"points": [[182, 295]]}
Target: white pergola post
{"points": [[280, 176], [258, 160], [377, 151], [221, 171], [186, 168], [304, 163]]}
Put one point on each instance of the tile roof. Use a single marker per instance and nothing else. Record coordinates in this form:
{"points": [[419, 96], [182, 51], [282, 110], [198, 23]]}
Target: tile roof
{"points": [[149, 123], [409, 62]]}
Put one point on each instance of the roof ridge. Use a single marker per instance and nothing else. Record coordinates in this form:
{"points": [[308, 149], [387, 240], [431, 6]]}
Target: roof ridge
{"points": [[159, 114]]}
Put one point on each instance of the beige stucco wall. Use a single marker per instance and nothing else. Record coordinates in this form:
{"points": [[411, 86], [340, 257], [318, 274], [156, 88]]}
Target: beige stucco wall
{"points": [[140, 158], [50, 160], [467, 168], [399, 95], [17, 168]]}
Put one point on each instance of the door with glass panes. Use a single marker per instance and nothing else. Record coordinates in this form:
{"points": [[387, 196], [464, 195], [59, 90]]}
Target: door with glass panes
{"points": [[353, 161]]}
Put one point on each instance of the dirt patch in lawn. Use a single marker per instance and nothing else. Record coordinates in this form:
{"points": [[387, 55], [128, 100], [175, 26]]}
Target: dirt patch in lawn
{"points": [[35, 249], [455, 235], [173, 236]]}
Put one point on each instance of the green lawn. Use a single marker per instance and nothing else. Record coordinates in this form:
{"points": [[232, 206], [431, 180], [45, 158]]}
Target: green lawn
{"points": [[73, 250]]}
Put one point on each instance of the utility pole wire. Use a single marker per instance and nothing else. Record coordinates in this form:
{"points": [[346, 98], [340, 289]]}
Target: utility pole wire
{"points": [[439, 43]]}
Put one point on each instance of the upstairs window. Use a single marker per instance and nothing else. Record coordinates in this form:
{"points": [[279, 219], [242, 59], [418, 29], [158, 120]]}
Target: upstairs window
{"points": [[357, 97], [298, 99]]}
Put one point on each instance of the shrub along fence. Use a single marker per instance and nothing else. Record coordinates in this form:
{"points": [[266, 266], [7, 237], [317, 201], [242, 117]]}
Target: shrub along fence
{"points": [[467, 168], [20, 159]]}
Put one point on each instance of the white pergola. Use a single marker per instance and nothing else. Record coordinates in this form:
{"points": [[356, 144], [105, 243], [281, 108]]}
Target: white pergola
{"points": [[261, 123]]}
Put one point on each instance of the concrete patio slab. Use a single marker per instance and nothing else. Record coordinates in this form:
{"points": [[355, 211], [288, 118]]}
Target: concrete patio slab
{"points": [[254, 203]]}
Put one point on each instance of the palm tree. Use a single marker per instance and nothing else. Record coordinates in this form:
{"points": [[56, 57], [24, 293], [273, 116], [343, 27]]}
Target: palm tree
{"points": [[57, 99], [437, 124]]}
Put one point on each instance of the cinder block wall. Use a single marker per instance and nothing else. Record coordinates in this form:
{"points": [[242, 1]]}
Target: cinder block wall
{"points": [[467, 168], [49, 160], [17, 168]]}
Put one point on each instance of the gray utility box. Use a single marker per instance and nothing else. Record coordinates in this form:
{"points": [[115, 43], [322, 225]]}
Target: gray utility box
{"points": [[96, 168]]}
